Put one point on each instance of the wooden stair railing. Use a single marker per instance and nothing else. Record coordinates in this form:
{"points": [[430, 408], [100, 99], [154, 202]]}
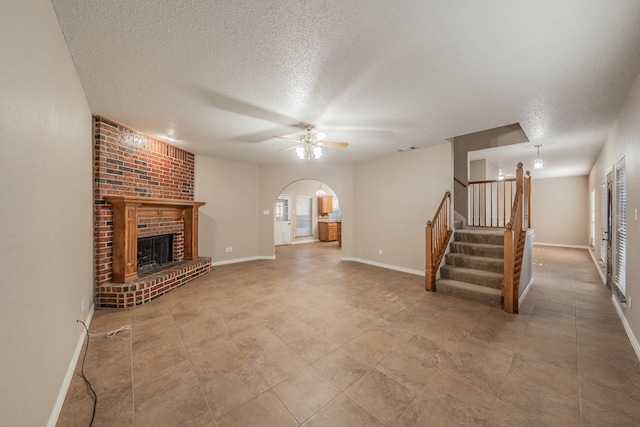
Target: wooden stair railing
{"points": [[460, 182], [437, 234], [514, 240], [490, 202]]}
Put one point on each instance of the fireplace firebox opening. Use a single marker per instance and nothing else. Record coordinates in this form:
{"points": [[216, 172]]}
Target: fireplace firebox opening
{"points": [[154, 252]]}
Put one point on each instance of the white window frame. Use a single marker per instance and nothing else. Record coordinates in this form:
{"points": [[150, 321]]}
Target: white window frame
{"points": [[621, 226]]}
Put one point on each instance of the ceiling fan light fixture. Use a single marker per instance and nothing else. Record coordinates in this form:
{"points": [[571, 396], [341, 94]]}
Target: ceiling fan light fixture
{"points": [[308, 152], [309, 146]]}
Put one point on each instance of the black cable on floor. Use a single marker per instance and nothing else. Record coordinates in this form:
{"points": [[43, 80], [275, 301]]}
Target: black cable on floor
{"points": [[87, 382]]}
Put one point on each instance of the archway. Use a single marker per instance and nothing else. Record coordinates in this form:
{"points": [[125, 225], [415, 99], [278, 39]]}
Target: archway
{"points": [[307, 210]]}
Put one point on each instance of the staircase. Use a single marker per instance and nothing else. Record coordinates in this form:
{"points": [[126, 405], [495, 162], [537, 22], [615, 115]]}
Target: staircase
{"points": [[474, 266]]}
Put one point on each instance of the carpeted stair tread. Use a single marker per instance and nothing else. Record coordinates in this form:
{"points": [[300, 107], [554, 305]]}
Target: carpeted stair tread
{"points": [[468, 291], [479, 249], [469, 235], [472, 275], [495, 265]]}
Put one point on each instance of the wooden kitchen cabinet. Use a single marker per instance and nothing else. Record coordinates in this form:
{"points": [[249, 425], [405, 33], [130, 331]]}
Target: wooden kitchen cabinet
{"points": [[327, 231], [325, 205]]}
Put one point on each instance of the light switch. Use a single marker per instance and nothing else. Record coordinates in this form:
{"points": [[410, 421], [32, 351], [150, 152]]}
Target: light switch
{"points": [[265, 212]]}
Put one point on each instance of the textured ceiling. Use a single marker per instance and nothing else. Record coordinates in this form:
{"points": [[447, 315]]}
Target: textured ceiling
{"points": [[224, 76]]}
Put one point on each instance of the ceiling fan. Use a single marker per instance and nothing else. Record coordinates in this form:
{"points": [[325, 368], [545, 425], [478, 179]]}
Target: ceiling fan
{"points": [[309, 146]]}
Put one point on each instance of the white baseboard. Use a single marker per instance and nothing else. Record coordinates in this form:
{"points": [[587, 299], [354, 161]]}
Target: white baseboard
{"points": [[62, 394], [387, 266], [597, 264], [627, 327], [560, 245], [526, 291], [237, 260]]}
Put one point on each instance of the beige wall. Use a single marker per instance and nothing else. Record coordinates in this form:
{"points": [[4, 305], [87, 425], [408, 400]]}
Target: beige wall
{"points": [[624, 141], [483, 170], [392, 207], [560, 210], [394, 197], [46, 232], [230, 217]]}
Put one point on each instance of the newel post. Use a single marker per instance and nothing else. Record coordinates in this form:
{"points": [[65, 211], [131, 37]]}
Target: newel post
{"points": [[429, 276], [507, 279]]}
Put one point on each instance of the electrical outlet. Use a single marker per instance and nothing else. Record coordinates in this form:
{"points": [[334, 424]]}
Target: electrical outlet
{"points": [[379, 251], [230, 248], [629, 301]]}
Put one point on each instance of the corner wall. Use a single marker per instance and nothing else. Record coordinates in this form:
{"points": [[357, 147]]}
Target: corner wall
{"points": [[560, 211], [230, 217], [46, 232]]}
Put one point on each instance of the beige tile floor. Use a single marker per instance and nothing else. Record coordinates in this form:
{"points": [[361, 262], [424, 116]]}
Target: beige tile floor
{"points": [[310, 340]]}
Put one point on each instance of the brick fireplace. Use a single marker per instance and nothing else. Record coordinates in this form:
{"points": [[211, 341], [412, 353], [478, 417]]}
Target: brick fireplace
{"points": [[142, 188]]}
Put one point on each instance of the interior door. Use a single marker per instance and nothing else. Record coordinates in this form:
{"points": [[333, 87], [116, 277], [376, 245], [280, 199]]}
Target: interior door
{"points": [[282, 220], [609, 230]]}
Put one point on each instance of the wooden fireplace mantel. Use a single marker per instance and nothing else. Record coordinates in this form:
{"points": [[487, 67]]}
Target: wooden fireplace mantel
{"points": [[128, 210]]}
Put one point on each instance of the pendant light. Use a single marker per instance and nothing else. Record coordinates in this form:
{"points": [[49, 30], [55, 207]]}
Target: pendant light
{"points": [[537, 164]]}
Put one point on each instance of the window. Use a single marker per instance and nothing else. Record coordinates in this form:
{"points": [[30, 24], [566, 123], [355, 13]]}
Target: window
{"points": [[303, 216], [592, 219], [282, 209], [335, 209], [621, 226]]}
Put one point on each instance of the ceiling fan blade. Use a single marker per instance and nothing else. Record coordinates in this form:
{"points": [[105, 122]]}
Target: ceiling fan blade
{"points": [[320, 136], [288, 148], [333, 144], [286, 139]]}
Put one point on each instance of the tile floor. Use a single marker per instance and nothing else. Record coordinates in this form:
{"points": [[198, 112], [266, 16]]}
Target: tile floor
{"points": [[310, 340]]}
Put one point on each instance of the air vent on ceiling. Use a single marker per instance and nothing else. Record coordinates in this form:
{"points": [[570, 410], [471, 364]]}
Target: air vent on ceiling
{"points": [[409, 148]]}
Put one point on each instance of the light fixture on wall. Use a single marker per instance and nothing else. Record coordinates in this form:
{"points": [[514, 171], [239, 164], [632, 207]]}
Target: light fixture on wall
{"points": [[132, 138], [320, 192], [537, 164]]}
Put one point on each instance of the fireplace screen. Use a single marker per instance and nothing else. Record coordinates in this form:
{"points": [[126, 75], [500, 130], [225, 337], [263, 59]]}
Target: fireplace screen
{"points": [[154, 252]]}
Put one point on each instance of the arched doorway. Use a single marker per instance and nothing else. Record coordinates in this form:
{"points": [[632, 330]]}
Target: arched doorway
{"points": [[303, 212]]}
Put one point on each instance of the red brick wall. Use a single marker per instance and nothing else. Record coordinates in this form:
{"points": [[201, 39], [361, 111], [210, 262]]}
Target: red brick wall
{"points": [[143, 167]]}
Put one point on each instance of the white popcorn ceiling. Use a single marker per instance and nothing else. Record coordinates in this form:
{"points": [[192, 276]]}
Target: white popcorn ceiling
{"points": [[225, 76]]}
